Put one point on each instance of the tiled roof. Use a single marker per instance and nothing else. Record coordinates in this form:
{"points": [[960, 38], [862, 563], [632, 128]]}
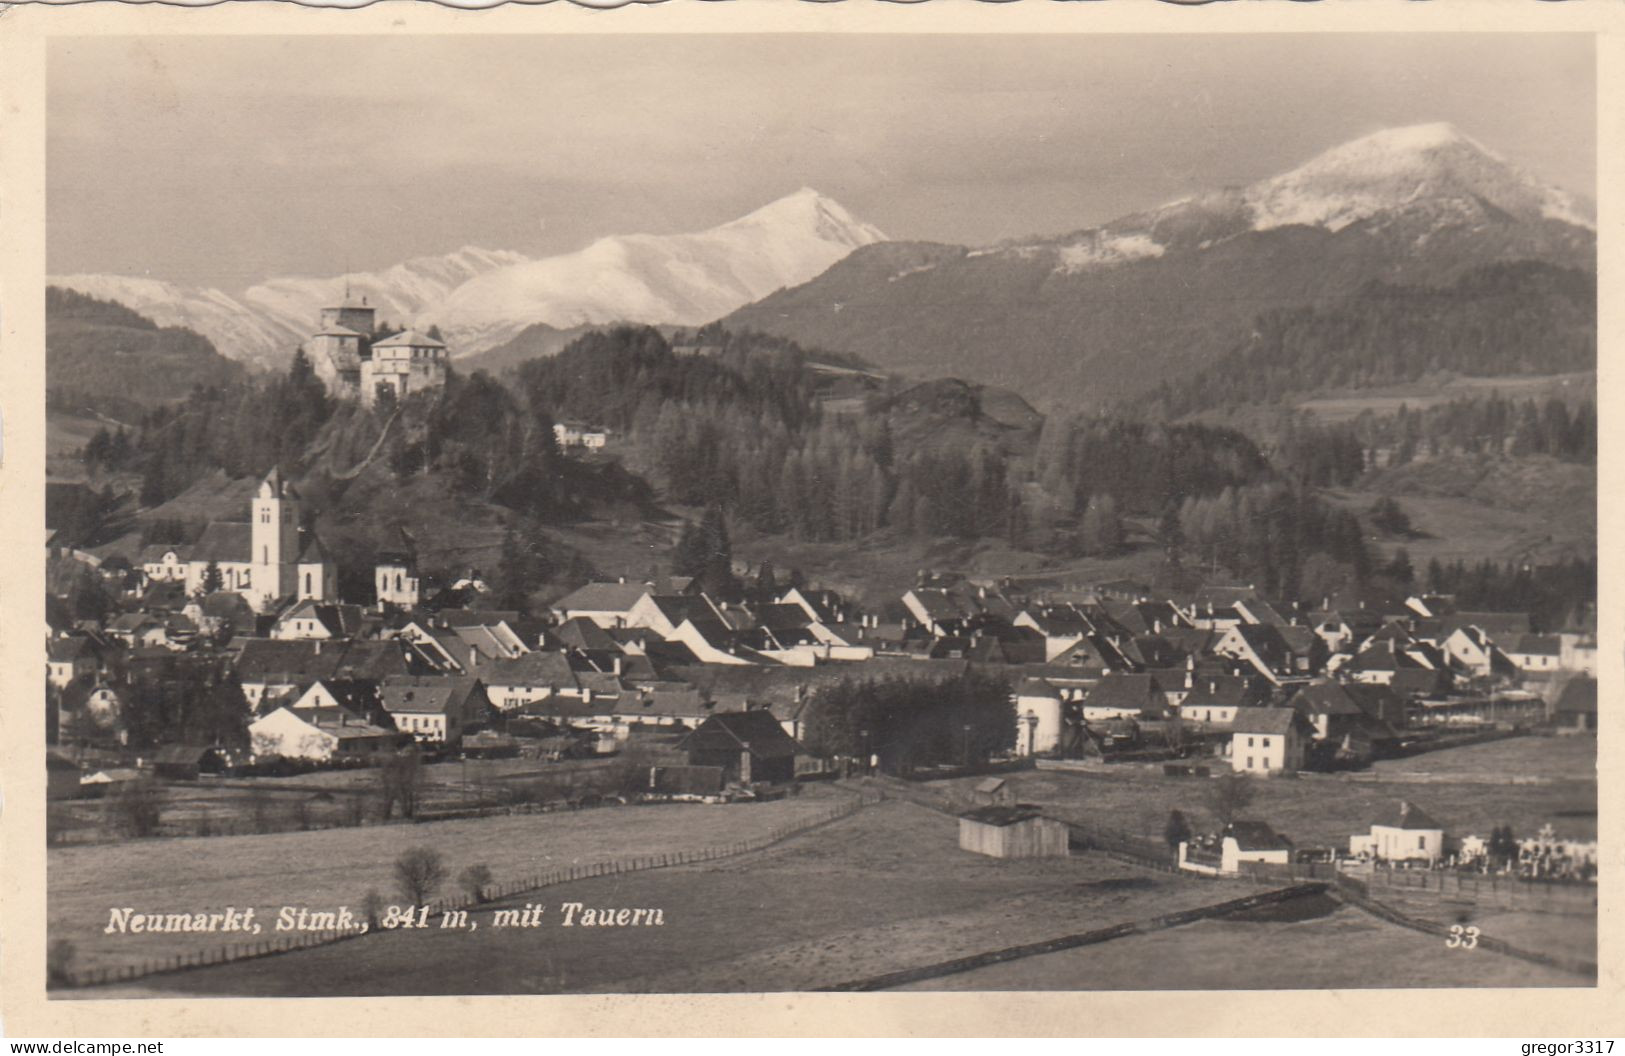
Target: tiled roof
{"points": [[1264, 720], [602, 597], [1407, 816], [228, 541]]}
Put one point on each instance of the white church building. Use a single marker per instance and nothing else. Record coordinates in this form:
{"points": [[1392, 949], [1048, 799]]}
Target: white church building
{"points": [[267, 559]]}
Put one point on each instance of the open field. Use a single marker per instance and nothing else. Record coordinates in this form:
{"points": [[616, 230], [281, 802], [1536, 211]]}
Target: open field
{"points": [[885, 889], [1562, 758], [1348, 949], [336, 867], [1314, 811], [220, 806]]}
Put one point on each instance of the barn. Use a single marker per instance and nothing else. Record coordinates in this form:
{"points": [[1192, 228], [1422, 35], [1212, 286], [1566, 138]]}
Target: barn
{"points": [[1019, 831], [750, 747]]}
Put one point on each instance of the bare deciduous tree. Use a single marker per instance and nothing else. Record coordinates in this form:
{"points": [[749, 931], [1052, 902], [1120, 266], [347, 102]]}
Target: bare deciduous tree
{"points": [[420, 872], [475, 880], [136, 809], [1227, 796], [401, 783]]}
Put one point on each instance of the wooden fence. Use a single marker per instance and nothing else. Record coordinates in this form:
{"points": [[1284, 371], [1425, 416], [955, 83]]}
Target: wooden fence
{"points": [[494, 892]]}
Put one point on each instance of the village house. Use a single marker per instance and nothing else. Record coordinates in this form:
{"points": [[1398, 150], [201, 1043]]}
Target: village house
{"points": [[1473, 651], [571, 433], [1406, 833], [1268, 740], [1214, 699], [1578, 653], [70, 659], [318, 734], [1575, 708], [1124, 696], [1337, 709], [314, 619], [1241, 842], [435, 709], [606, 604], [1038, 717], [1536, 653], [165, 562], [749, 746]]}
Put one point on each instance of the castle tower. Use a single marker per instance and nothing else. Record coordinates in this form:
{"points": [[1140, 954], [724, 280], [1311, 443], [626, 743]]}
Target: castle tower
{"points": [[274, 557], [351, 314]]}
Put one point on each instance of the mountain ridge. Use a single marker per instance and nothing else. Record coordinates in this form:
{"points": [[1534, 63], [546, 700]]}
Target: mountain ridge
{"points": [[1101, 314], [481, 298]]}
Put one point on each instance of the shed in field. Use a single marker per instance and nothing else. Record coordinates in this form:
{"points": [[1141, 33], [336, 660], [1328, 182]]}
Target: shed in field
{"points": [[995, 792], [1016, 831]]}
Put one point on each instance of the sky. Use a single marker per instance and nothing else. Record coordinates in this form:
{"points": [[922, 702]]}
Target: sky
{"points": [[226, 160]]}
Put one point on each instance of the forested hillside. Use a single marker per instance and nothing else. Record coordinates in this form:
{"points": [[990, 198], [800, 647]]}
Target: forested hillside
{"points": [[103, 356], [1506, 319]]}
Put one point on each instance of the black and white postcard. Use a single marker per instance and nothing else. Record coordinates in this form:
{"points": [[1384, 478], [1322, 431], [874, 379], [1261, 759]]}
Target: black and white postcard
{"points": [[742, 501]]}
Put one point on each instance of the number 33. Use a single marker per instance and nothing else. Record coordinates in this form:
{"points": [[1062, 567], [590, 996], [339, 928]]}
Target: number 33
{"points": [[1461, 938]]}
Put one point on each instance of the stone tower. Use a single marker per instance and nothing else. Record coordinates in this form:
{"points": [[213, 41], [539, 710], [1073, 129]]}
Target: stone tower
{"points": [[274, 558]]}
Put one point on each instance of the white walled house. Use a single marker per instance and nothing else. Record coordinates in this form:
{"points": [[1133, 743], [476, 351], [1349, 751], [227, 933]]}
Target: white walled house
{"points": [[1268, 740], [1241, 842], [319, 734], [1406, 834], [1038, 717]]}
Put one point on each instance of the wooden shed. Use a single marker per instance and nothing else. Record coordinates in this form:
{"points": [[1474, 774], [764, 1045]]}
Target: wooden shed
{"points": [[995, 792], [1019, 831]]}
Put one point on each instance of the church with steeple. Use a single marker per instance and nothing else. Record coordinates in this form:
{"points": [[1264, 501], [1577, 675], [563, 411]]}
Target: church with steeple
{"points": [[269, 559], [354, 361]]}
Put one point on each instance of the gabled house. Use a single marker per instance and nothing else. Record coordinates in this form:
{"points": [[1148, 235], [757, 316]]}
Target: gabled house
{"points": [[315, 619], [1404, 834], [434, 709], [1124, 696], [606, 604], [71, 659], [1261, 646], [1575, 709], [1475, 653], [1536, 652], [319, 734], [1214, 700], [1338, 709], [511, 684], [1268, 740], [749, 746]]}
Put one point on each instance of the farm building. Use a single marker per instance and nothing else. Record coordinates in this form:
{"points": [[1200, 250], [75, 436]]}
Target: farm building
{"points": [[1014, 831], [749, 746], [994, 792], [179, 762]]}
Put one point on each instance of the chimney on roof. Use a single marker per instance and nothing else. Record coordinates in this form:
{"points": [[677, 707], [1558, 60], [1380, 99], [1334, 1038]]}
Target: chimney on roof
{"points": [[1404, 809]]}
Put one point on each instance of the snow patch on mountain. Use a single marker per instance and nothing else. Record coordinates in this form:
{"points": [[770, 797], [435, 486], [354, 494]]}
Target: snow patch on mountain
{"points": [[685, 279], [1104, 248]]}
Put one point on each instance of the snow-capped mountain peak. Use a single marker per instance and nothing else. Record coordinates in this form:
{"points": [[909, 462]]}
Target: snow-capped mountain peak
{"points": [[685, 279], [480, 297], [1391, 170]]}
